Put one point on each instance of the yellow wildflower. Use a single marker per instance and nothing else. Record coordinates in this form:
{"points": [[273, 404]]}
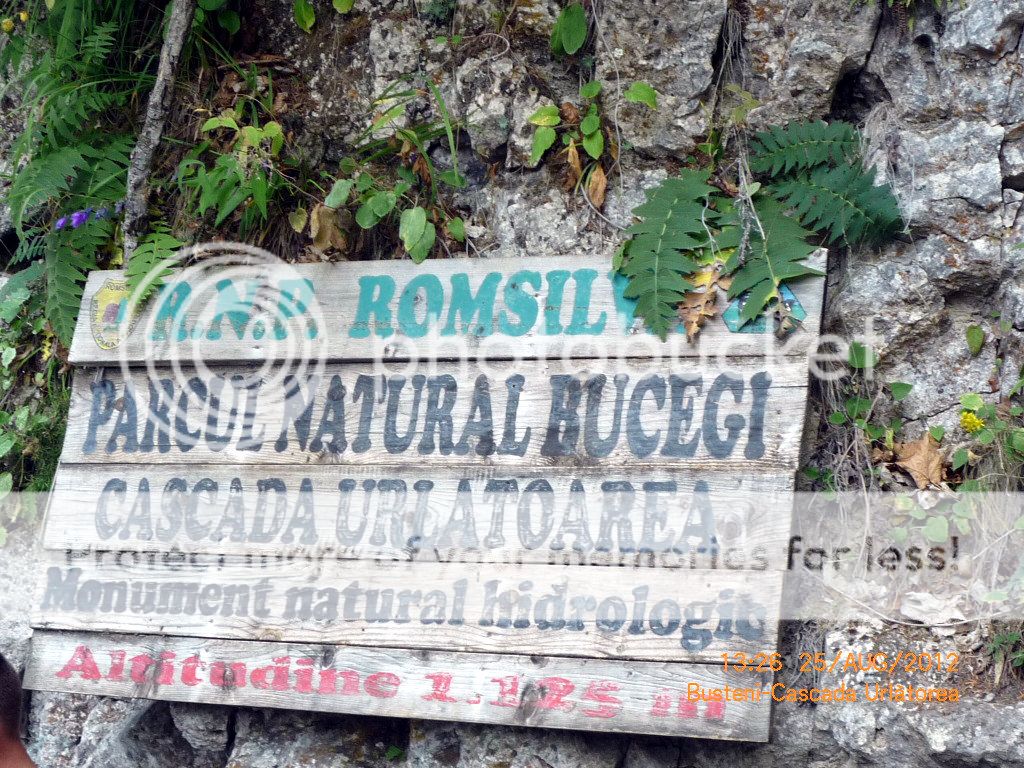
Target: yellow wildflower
{"points": [[23, 16], [7, 25], [971, 423]]}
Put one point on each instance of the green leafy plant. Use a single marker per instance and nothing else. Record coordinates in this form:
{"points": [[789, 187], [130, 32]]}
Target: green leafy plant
{"points": [[996, 433], [304, 15], [31, 430], [77, 68], [246, 176], [227, 18], [1007, 650], [760, 233], [570, 30], [390, 184], [816, 170]]}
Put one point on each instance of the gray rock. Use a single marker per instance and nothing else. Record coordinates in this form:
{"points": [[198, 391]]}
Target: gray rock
{"points": [[669, 45], [520, 139], [18, 565], [269, 738], [204, 727], [459, 745], [945, 161], [798, 51]]}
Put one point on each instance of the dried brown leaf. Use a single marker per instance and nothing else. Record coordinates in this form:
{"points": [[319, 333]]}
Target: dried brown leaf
{"points": [[572, 158], [597, 185], [570, 114], [921, 460], [325, 228]]}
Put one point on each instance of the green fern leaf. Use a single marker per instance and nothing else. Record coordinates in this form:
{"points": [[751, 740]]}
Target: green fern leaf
{"points": [[70, 256], [771, 260], [843, 201], [802, 146], [44, 178], [675, 221], [147, 267]]}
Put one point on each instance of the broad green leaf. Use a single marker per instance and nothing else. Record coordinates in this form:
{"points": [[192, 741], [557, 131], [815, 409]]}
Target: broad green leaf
{"points": [[421, 249], [298, 219], [591, 89], [230, 21], [365, 216], [857, 407], [971, 401], [641, 93], [936, 529], [960, 459], [543, 138], [457, 228], [572, 28], [7, 442], [861, 357], [304, 14], [411, 225], [594, 144], [452, 178], [975, 339], [338, 195], [383, 203], [937, 433], [837, 418], [343, 6], [900, 390], [221, 121], [7, 356], [547, 115], [591, 124]]}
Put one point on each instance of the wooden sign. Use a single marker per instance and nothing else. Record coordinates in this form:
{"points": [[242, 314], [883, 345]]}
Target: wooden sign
{"points": [[469, 490]]}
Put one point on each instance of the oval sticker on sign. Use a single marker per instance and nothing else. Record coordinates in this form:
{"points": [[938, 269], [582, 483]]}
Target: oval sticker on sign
{"points": [[110, 314]]}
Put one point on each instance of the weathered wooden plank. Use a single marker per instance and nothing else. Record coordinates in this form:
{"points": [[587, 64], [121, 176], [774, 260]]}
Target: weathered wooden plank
{"points": [[563, 307], [661, 518], [628, 613], [587, 694], [736, 415]]}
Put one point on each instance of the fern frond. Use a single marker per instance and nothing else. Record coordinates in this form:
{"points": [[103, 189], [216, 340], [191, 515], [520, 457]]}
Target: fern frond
{"points": [[772, 259], [803, 145], [844, 201], [146, 268], [46, 177], [675, 220], [70, 256]]}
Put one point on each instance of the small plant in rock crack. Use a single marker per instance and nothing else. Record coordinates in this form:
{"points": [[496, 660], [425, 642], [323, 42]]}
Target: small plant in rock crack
{"points": [[1007, 651], [583, 128], [244, 172], [390, 179], [994, 434]]}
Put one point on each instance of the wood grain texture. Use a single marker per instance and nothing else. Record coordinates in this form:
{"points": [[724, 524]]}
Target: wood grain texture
{"points": [[553, 314], [626, 613], [587, 694], [434, 514], [737, 415]]}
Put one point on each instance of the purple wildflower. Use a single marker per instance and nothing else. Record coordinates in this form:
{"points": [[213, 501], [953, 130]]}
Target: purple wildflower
{"points": [[78, 218], [102, 213], [61, 222]]}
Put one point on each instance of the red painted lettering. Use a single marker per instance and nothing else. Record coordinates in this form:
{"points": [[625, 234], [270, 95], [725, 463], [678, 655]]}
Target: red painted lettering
{"points": [[383, 685], [599, 691], [442, 682], [81, 662]]}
